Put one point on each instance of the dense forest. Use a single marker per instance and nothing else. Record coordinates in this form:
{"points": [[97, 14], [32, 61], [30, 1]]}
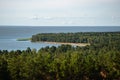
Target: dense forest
{"points": [[98, 61], [79, 37]]}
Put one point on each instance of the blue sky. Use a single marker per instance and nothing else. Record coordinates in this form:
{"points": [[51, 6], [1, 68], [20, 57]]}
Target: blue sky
{"points": [[60, 12]]}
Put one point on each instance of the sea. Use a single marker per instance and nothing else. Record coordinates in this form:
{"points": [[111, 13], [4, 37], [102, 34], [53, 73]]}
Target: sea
{"points": [[10, 34]]}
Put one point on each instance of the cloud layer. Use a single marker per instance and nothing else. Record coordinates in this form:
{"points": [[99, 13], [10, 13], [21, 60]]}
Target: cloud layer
{"points": [[18, 10]]}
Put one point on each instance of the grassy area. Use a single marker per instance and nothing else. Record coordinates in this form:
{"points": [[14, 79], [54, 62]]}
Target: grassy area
{"points": [[23, 39]]}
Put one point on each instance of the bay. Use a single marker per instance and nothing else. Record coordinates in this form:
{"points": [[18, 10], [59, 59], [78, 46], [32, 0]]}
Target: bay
{"points": [[10, 34]]}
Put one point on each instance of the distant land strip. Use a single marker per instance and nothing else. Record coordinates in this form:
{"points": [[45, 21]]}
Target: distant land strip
{"points": [[23, 39]]}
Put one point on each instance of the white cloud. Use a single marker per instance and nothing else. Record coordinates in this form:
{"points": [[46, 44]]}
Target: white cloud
{"points": [[22, 5], [48, 10]]}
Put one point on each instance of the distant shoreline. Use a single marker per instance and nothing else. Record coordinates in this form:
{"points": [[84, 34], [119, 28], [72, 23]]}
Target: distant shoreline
{"points": [[62, 43], [67, 43]]}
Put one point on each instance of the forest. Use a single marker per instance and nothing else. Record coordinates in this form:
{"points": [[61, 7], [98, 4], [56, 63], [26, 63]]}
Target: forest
{"points": [[98, 61], [79, 37]]}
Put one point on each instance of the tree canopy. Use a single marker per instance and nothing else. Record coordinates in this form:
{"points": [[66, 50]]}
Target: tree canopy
{"points": [[98, 61]]}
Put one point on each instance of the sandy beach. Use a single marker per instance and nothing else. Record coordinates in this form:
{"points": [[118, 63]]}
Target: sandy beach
{"points": [[65, 43]]}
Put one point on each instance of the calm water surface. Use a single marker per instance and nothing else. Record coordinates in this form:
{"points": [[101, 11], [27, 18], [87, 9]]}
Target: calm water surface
{"points": [[9, 34]]}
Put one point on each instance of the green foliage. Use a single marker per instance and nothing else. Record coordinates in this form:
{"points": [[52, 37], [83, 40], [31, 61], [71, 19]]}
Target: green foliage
{"points": [[100, 60], [23, 39], [80, 37]]}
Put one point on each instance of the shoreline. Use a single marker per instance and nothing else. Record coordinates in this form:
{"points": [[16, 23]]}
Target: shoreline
{"points": [[61, 43], [67, 43]]}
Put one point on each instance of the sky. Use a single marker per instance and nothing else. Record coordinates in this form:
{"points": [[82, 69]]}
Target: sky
{"points": [[60, 12]]}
